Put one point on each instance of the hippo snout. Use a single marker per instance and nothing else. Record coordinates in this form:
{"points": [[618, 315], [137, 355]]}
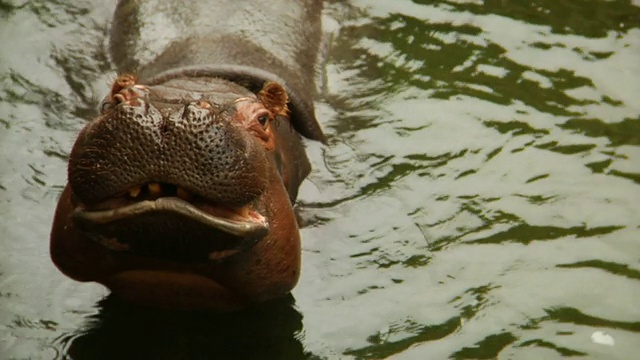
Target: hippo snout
{"points": [[164, 170], [194, 146]]}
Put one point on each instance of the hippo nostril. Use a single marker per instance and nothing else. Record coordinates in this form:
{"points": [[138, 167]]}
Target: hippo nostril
{"points": [[118, 99], [130, 95]]}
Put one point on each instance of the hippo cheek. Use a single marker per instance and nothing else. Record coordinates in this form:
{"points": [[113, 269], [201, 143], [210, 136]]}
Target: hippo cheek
{"points": [[272, 266], [74, 254]]}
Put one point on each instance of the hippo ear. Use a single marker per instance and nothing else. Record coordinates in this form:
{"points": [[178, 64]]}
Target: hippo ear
{"points": [[274, 97]]}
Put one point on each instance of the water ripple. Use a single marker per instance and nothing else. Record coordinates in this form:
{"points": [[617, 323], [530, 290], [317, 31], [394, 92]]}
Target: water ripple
{"points": [[608, 266]]}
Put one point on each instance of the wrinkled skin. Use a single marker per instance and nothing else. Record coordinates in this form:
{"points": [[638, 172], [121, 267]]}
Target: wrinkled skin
{"points": [[180, 191]]}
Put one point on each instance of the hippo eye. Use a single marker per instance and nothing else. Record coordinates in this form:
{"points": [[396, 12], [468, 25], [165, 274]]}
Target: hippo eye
{"points": [[263, 119]]}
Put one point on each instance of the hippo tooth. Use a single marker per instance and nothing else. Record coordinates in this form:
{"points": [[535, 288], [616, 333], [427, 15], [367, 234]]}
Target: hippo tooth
{"points": [[115, 245], [154, 189], [243, 211], [134, 191], [217, 255], [247, 212], [183, 194]]}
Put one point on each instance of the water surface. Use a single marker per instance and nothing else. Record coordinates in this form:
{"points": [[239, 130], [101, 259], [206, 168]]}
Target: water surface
{"points": [[479, 196]]}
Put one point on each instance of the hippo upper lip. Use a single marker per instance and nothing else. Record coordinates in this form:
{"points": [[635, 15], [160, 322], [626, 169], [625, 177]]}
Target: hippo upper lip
{"points": [[241, 226]]}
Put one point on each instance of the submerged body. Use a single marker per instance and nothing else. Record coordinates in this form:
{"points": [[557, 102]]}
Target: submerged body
{"points": [[180, 192]]}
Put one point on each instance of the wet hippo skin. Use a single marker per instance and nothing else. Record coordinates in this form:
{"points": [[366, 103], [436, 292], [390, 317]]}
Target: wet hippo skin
{"points": [[180, 190]]}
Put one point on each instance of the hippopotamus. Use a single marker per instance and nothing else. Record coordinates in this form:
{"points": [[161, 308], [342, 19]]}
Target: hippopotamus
{"points": [[180, 191]]}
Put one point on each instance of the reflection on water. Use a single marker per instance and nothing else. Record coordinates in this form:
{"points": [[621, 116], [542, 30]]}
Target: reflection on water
{"points": [[123, 331], [478, 198]]}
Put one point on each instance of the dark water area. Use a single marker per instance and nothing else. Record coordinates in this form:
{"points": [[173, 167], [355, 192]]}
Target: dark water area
{"points": [[479, 197]]}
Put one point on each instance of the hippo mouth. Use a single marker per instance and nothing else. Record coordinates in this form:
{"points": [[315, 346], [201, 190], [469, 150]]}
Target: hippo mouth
{"points": [[167, 222]]}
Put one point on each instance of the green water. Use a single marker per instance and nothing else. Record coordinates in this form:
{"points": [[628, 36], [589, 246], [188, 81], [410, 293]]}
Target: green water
{"points": [[479, 196]]}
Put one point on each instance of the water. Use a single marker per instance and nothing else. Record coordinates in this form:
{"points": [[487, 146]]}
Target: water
{"points": [[478, 198]]}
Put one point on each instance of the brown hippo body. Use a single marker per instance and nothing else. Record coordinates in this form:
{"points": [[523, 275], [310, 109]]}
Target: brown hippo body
{"points": [[180, 191]]}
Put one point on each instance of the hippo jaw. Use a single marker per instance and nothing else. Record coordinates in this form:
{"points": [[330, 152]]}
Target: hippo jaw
{"points": [[218, 232]]}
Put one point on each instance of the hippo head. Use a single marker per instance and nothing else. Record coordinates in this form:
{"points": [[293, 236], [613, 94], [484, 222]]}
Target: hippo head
{"points": [[180, 195]]}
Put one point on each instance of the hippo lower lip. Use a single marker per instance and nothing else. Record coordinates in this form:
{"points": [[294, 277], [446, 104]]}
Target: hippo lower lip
{"points": [[249, 226], [208, 232]]}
